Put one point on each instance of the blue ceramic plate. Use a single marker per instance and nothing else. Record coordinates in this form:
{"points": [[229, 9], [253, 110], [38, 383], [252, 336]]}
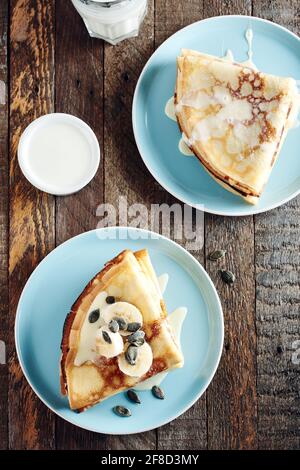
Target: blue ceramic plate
{"points": [[57, 282], [276, 50]]}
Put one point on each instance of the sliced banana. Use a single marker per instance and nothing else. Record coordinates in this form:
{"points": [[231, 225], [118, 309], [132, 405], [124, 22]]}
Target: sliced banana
{"points": [[108, 344], [124, 311], [142, 364]]}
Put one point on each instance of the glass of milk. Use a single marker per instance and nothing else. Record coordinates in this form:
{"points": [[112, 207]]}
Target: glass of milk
{"points": [[112, 20]]}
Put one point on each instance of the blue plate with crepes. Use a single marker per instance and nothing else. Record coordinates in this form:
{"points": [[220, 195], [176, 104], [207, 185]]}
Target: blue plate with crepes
{"points": [[56, 283]]}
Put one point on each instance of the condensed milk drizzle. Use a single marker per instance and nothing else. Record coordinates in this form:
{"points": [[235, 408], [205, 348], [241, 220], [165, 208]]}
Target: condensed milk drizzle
{"points": [[170, 110], [229, 56], [176, 319], [184, 148], [249, 37], [249, 62]]}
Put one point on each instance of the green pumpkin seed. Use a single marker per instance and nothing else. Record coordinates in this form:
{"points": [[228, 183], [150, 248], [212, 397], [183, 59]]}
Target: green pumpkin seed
{"points": [[94, 315], [133, 396], [106, 337], [227, 276], [158, 392], [131, 355], [122, 411], [217, 254], [110, 299], [121, 322], [113, 326], [134, 326]]}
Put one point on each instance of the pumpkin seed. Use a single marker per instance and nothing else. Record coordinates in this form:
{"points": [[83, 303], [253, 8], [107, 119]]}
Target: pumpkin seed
{"points": [[133, 396], [137, 338], [121, 322], [227, 276], [94, 315], [158, 392], [110, 299], [113, 326], [134, 326], [139, 342], [131, 355], [122, 411], [106, 337], [217, 254]]}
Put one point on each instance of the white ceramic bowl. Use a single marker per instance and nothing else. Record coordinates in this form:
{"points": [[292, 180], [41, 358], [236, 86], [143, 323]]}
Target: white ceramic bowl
{"points": [[59, 184]]}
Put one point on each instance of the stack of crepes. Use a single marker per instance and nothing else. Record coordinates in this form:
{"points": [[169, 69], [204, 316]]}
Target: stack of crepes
{"points": [[88, 377], [234, 119]]}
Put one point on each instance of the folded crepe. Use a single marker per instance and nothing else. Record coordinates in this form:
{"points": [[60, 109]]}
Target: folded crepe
{"points": [[94, 362], [234, 119]]}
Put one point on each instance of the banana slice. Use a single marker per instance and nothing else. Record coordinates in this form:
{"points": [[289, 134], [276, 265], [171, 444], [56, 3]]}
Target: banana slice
{"points": [[141, 363], [108, 344], [126, 312]]}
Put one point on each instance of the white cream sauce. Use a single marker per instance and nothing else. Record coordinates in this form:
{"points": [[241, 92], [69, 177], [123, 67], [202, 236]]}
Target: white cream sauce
{"points": [[230, 111], [184, 148], [86, 350], [170, 109], [295, 124], [163, 280], [293, 121], [228, 56], [249, 62], [176, 320], [249, 38]]}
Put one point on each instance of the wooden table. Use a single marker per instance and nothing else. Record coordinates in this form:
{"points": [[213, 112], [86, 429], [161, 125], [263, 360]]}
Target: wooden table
{"points": [[49, 63]]}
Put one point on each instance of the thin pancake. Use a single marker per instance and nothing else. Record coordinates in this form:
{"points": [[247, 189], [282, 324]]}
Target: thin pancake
{"points": [[130, 278], [234, 118]]}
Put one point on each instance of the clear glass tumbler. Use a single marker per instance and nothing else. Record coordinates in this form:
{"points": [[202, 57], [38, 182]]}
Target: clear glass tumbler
{"points": [[112, 20]]}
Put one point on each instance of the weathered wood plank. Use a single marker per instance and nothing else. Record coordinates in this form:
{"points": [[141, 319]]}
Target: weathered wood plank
{"points": [[31, 424], [277, 246], [231, 398], [171, 15], [79, 91], [277, 310], [125, 174], [189, 431], [3, 223], [228, 7]]}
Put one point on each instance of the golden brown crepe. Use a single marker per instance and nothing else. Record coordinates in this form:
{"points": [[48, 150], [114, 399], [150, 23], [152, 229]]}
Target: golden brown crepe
{"points": [[130, 278], [233, 118]]}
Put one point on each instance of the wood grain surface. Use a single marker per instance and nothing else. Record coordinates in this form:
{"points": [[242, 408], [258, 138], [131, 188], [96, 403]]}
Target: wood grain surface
{"points": [[277, 315], [3, 222], [49, 63], [31, 216], [277, 247]]}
